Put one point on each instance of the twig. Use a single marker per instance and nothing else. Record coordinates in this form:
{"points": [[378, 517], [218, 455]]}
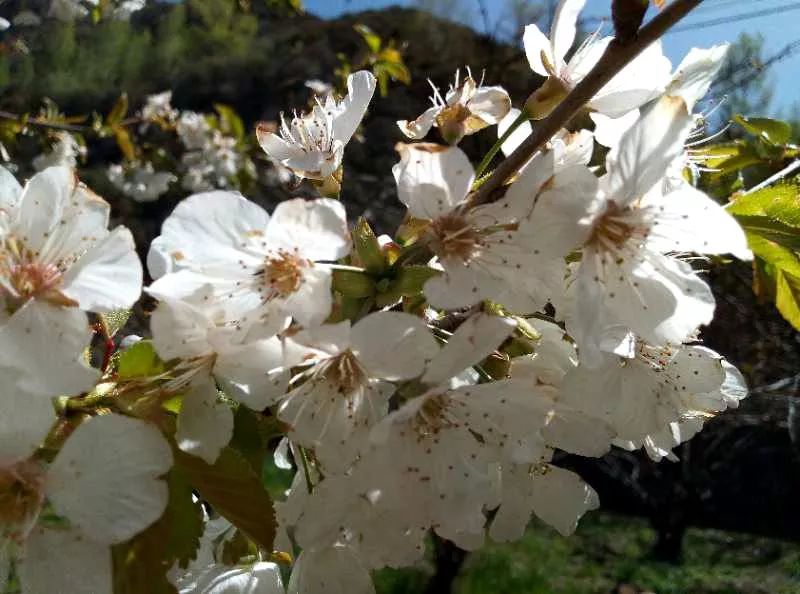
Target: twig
{"points": [[7, 115], [773, 178], [614, 59]]}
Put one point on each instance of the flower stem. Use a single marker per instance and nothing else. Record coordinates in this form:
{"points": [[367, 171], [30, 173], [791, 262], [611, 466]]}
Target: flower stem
{"points": [[487, 160]]}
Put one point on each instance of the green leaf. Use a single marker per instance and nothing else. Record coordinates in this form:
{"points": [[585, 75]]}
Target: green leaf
{"points": [[124, 142], [367, 248], [411, 279], [119, 111], [772, 131], [230, 122], [780, 202], [141, 564], [116, 320], [372, 39], [352, 283], [771, 229], [138, 361], [787, 296], [234, 490], [252, 432]]}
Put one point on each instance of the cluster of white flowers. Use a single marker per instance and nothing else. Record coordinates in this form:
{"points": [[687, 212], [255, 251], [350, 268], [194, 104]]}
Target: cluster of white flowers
{"points": [[439, 409]]}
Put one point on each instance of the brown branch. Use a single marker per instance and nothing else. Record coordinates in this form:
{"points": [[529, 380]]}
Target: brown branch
{"points": [[7, 115], [614, 59]]}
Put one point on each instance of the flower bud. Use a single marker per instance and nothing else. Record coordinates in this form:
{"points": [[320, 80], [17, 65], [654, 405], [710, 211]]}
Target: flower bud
{"points": [[545, 99]]}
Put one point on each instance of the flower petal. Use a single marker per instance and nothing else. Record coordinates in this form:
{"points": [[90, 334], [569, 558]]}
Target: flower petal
{"points": [[25, 421], [472, 342], [205, 425], [419, 128], [108, 276], [350, 111], [253, 373], [537, 46], [63, 560], [564, 28], [432, 179], [696, 72], [647, 149], [316, 228], [332, 570], [490, 104], [40, 332], [393, 345], [276, 147], [105, 480]]}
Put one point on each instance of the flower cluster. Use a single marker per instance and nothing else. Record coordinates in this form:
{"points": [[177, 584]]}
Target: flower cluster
{"points": [[420, 383]]}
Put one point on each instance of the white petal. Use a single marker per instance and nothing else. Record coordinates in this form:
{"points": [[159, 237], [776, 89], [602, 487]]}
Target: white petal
{"points": [[419, 128], [696, 72], [252, 373], [432, 179], [276, 147], [351, 110], [564, 28], [459, 286], [645, 152], [108, 276], [311, 303], [560, 498], [472, 342], [608, 131], [261, 578], [393, 345], [179, 330], [62, 560], [40, 332], [205, 425], [209, 229], [518, 136], [564, 211], [318, 228], [105, 480], [10, 192], [333, 570], [25, 421], [689, 221], [43, 200], [639, 82], [490, 104], [537, 46]]}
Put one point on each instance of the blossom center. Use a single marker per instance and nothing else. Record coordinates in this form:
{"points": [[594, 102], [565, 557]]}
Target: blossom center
{"points": [[21, 496], [433, 417], [614, 228], [454, 236], [345, 372], [23, 277], [283, 273]]}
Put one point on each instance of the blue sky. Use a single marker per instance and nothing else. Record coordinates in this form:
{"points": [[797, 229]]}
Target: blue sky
{"points": [[779, 29]]}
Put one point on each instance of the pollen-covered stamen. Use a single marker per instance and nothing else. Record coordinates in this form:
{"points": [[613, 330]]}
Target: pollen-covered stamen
{"points": [[283, 273], [455, 236], [21, 497], [614, 228], [433, 417], [343, 371], [23, 276]]}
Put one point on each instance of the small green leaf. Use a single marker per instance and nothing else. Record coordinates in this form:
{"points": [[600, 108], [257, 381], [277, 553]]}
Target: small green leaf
{"points": [[367, 248], [411, 279], [787, 297], [138, 361], [371, 38], [230, 122], [252, 432], [234, 490], [119, 111], [772, 131], [771, 229], [780, 202], [352, 283]]}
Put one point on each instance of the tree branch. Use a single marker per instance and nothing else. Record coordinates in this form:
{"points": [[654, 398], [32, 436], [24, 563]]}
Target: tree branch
{"points": [[614, 59]]}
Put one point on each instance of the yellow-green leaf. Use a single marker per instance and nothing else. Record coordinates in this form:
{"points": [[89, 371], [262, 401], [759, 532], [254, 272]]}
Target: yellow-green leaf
{"points": [[352, 283], [772, 131], [367, 248]]}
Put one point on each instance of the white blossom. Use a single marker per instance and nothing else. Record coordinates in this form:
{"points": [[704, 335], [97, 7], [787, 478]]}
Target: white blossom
{"points": [[141, 181], [348, 386], [64, 153], [467, 108], [482, 254], [105, 483], [264, 270], [639, 82], [312, 144]]}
